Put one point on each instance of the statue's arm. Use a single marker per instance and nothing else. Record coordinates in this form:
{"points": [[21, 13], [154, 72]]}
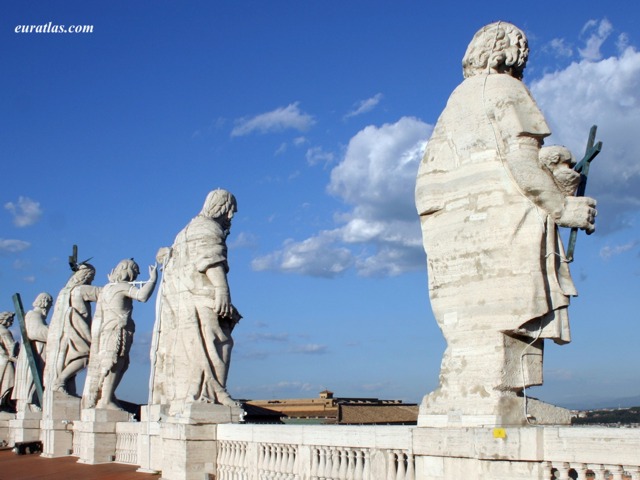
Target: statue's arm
{"points": [[537, 184], [144, 293], [217, 275]]}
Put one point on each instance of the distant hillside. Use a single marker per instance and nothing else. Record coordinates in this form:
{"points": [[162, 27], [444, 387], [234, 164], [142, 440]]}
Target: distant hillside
{"points": [[618, 416], [595, 403]]}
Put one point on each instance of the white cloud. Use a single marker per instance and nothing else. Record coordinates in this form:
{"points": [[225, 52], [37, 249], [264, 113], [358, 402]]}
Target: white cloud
{"points": [[316, 155], [13, 246], [365, 106], [310, 349], [611, 251], [25, 212], [283, 118], [380, 233], [605, 93], [598, 33], [559, 47]]}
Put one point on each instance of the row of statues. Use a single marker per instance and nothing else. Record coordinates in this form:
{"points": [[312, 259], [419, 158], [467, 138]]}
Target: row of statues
{"points": [[192, 335]]}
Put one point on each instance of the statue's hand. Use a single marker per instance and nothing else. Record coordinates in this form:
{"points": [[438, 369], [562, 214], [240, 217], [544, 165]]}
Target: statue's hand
{"points": [[222, 302], [579, 212], [153, 272]]}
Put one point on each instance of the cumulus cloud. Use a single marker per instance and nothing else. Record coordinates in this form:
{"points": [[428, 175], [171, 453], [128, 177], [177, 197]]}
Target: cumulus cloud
{"points": [[364, 106], [379, 234], [283, 118], [559, 47], [12, 245], [605, 93], [25, 212]]}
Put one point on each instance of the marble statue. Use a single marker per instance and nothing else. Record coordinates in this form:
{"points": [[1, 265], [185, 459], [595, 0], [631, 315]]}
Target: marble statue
{"points": [[69, 338], [490, 200], [112, 333], [8, 351], [196, 317], [24, 392]]}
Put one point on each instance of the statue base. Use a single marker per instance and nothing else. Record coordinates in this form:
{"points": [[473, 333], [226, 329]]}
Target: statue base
{"points": [[96, 434], [57, 426], [189, 447], [149, 439], [5, 432], [25, 427], [496, 409]]}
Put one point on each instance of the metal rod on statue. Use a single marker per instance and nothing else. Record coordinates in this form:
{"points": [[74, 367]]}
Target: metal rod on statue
{"points": [[583, 169]]}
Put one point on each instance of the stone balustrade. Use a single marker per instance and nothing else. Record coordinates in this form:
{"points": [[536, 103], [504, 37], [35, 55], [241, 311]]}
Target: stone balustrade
{"points": [[332, 452], [127, 443]]}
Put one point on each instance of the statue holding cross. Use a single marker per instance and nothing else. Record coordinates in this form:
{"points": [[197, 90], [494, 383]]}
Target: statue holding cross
{"points": [[491, 198]]}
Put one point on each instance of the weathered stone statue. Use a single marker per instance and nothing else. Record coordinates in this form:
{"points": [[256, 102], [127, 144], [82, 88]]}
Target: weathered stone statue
{"points": [[490, 201], [24, 392], [112, 333], [8, 352], [69, 338], [196, 316]]}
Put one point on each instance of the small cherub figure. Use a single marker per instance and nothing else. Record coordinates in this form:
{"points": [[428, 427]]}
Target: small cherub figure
{"points": [[112, 333], [560, 162]]}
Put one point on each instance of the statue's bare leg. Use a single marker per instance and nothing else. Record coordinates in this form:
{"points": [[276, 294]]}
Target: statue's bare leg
{"points": [[69, 371]]}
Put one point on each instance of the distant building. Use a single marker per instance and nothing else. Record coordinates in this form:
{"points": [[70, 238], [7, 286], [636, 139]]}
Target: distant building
{"points": [[330, 410]]}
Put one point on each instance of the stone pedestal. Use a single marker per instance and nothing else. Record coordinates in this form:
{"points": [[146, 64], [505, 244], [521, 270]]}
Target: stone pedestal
{"points": [[96, 434], [57, 426], [149, 439], [25, 427], [189, 449], [5, 419], [493, 409]]}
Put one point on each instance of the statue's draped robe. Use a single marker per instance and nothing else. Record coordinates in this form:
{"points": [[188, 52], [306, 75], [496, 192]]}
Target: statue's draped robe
{"points": [[493, 256], [183, 362], [24, 391], [69, 335], [7, 370]]}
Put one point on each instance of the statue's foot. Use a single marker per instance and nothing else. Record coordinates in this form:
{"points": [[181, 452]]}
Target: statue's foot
{"points": [[225, 399], [59, 387]]}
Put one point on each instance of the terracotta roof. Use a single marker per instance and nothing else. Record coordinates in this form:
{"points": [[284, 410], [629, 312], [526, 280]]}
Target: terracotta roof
{"points": [[378, 414]]}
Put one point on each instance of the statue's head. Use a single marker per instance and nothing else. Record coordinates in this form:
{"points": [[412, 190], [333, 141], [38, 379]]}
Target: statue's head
{"points": [[220, 205], [84, 275], [43, 300], [126, 271], [6, 318], [499, 47]]}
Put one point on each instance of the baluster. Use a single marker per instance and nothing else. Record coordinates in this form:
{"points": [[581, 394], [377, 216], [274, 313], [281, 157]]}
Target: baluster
{"points": [[366, 474], [315, 460], [322, 467], [273, 457], [401, 469], [598, 471], [266, 459], [222, 460], [616, 471], [391, 465], [335, 458], [351, 463], [634, 471], [411, 467], [329, 465], [342, 471], [291, 464], [281, 462], [563, 472], [359, 469]]}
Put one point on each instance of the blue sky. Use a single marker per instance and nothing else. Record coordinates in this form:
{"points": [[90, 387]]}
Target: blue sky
{"points": [[314, 115]]}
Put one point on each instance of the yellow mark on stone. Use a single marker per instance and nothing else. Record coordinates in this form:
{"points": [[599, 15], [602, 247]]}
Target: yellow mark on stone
{"points": [[499, 433]]}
